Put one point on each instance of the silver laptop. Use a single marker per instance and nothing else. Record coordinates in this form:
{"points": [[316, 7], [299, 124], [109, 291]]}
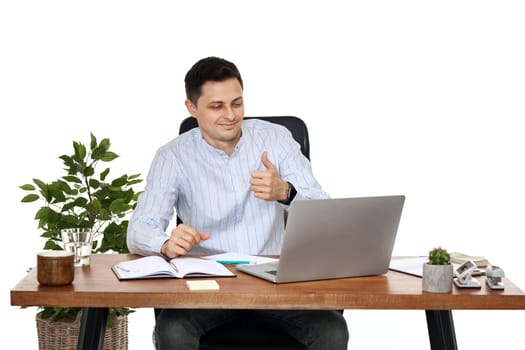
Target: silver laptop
{"points": [[335, 238]]}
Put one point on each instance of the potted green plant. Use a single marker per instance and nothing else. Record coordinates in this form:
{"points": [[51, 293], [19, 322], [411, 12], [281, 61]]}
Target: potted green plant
{"points": [[438, 272], [84, 197]]}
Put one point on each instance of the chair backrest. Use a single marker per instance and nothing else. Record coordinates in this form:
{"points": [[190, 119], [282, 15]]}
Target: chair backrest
{"points": [[296, 126]]}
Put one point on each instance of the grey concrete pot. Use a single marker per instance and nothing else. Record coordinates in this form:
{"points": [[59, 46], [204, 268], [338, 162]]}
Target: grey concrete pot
{"points": [[437, 278]]}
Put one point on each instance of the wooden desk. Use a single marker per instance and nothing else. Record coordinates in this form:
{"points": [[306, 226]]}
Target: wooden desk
{"points": [[96, 288]]}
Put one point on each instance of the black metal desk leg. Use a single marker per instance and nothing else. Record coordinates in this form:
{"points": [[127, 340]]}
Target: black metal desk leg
{"points": [[441, 330], [92, 328]]}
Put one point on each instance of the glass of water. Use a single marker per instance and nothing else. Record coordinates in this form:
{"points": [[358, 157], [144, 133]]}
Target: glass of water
{"points": [[79, 241]]}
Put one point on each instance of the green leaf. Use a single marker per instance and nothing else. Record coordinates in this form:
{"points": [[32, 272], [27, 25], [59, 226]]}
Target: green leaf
{"points": [[54, 218], [80, 151], [93, 143], [43, 213], [95, 205], [89, 171], [68, 206], [121, 181], [47, 312], [41, 184], [30, 198], [56, 195], [51, 245], [104, 174], [104, 214], [59, 313], [124, 195], [136, 196], [72, 178], [94, 183], [81, 202], [119, 206], [101, 149], [63, 187], [108, 156], [114, 238], [114, 313], [50, 234], [97, 153], [28, 187], [104, 144], [69, 221], [71, 165], [114, 189]]}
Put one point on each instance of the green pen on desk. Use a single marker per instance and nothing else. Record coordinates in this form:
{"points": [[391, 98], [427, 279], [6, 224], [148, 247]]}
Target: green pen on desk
{"points": [[234, 262]]}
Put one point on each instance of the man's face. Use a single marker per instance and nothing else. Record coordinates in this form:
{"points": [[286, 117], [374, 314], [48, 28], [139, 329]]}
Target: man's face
{"points": [[219, 112]]}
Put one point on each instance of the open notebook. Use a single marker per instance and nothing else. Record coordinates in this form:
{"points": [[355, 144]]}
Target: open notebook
{"points": [[158, 267]]}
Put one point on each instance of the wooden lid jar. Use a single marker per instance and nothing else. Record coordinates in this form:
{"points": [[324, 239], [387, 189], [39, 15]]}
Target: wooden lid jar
{"points": [[55, 267]]}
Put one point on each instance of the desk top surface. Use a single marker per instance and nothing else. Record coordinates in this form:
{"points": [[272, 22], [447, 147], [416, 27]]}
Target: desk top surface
{"points": [[97, 286]]}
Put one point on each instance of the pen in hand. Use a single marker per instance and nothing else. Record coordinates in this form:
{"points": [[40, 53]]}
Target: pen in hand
{"points": [[174, 267]]}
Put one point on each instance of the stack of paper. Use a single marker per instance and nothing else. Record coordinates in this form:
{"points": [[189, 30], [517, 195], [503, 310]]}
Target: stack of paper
{"points": [[460, 258]]}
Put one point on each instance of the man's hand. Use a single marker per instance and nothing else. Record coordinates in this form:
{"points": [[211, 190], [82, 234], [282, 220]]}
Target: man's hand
{"points": [[183, 238], [267, 184]]}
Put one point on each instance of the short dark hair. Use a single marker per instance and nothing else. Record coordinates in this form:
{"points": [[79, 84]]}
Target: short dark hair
{"points": [[208, 69]]}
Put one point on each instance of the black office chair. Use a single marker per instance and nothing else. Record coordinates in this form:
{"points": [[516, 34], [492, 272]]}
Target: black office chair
{"points": [[296, 126], [254, 334]]}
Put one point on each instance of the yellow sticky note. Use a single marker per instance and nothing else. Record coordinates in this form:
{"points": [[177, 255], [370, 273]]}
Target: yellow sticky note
{"points": [[202, 285]]}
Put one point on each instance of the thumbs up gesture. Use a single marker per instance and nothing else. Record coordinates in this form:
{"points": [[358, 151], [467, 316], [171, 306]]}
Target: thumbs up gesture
{"points": [[267, 184]]}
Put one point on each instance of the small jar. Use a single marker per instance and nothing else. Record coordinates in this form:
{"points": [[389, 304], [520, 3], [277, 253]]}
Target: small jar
{"points": [[55, 267]]}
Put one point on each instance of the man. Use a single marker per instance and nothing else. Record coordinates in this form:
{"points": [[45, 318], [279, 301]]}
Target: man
{"points": [[230, 181]]}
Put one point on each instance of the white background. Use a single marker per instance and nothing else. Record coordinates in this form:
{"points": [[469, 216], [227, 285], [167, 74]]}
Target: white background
{"points": [[401, 97]]}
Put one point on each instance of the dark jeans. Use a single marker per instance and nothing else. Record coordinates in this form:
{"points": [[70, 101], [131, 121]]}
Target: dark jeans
{"points": [[317, 329]]}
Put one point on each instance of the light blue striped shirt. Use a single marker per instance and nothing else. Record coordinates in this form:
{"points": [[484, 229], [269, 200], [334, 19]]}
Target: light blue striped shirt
{"points": [[210, 192]]}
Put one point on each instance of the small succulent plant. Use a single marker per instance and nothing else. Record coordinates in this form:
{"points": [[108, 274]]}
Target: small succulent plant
{"points": [[438, 256]]}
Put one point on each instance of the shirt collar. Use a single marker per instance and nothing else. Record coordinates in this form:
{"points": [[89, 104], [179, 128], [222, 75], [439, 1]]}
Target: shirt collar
{"points": [[218, 151]]}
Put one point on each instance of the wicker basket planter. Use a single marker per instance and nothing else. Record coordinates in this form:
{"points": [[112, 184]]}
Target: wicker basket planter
{"points": [[62, 335]]}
